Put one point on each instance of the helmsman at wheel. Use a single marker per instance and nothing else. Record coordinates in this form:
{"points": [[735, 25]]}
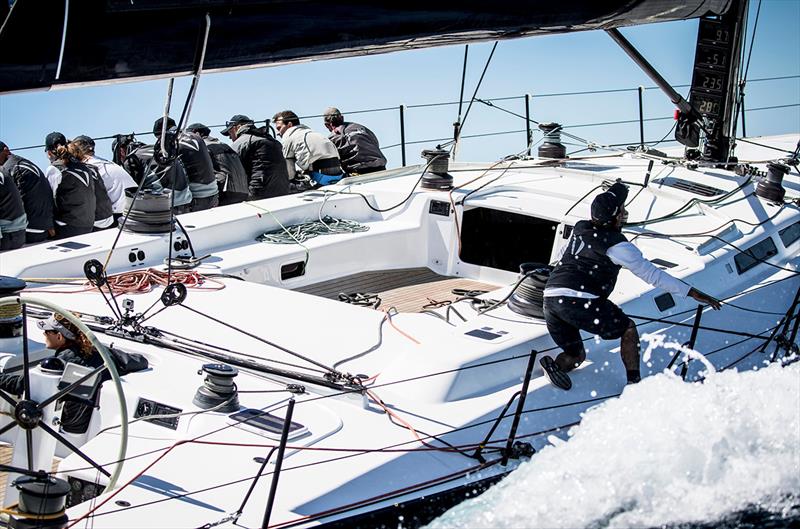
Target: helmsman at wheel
{"points": [[576, 294]]}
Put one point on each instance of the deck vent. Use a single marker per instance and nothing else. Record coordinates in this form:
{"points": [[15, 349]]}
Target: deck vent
{"points": [[290, 270], [771, 188], [552, 147], [436, 176], [689, 187]]}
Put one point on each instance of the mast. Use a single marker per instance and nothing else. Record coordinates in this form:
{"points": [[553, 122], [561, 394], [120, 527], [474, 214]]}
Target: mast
{"points": [[712, 95], [715, 74]]}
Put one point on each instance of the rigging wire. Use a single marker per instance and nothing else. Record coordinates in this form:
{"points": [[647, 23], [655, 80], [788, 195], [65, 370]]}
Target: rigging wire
{"points": [[451, 103], [475, 93], [457, 124], [742, 82]]}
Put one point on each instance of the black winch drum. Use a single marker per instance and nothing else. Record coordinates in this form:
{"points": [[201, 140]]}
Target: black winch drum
{"points": [[528, 298], [151, 213]]}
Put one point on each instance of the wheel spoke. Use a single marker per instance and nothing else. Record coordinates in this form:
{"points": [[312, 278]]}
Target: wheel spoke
{"points": [[26, 365], [74, 448], [7, 427], [69, 388], [6, 397], [29, 446]]}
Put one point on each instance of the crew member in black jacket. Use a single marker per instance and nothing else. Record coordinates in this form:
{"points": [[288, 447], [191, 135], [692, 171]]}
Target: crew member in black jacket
{"points": [[73, 185], [143, 164], [359, 149], [196, 160], [230, 174], [576, 294], [262, 158], [37, 197]]}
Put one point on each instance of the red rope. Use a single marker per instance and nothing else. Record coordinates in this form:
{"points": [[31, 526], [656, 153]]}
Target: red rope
{"points": [[143, 281]]}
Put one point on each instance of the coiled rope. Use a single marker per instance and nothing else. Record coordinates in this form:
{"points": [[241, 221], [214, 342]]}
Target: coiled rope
{"points": [[300, 233], [143, 281]]}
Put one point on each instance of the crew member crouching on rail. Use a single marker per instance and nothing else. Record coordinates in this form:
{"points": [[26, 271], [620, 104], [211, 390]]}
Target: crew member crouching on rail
{"points": [[576, 294]]}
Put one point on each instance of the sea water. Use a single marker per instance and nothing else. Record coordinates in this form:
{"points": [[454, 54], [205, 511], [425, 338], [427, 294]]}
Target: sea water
{"points": [[725, 452]]}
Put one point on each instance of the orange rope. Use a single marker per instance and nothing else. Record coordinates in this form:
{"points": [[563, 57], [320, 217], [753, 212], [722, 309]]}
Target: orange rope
{"points": [[397, 418], [395, 327]]}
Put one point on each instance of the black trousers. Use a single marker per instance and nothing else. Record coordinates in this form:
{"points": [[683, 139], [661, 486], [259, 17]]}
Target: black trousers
{"points": [[12, 240], [62, 232]]}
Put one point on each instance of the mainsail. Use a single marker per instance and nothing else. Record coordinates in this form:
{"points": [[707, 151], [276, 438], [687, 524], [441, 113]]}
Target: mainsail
{"points": [[82, 42]]}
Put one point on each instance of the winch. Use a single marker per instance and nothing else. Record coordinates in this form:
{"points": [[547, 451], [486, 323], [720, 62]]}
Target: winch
{"points": [[10, 315], [218, 389], [528, 298], [41, 503], [436, 176]]}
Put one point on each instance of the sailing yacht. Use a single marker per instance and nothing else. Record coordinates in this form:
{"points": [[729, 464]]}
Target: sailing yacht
{"points": [[366, 353]]}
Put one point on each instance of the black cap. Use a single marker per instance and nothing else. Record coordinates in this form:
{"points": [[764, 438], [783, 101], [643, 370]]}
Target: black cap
{"points": [[238, 119], [2, 146], [606, 206], [53, 140], [199, 128], [159, 125], [84, 139]]}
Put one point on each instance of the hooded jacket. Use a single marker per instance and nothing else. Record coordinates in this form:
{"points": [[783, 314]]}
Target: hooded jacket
{"points": [[358, 148], [263, 162]]}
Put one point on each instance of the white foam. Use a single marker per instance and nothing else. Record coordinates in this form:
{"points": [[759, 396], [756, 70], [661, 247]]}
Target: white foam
{"points": [[665, 452]]}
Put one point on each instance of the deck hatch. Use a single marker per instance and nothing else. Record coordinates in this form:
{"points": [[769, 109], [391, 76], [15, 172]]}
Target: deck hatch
{"points": [[790, 234], [504, 240], [689, 187], [755, 254], [663, 263], [664, 301]]}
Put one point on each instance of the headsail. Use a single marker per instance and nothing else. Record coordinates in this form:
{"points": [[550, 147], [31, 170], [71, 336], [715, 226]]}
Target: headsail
{"points": [[99, 41]]}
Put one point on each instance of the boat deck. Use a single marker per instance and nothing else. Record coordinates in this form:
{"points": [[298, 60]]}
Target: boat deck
{"points": [[408, 289]]}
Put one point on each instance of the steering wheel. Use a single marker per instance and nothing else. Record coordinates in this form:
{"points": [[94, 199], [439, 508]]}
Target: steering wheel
{"points": [[28, 413]]}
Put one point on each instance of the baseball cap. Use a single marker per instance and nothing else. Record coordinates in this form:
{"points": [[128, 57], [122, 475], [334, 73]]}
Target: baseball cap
{"points": [[52, 324], [606, 206], [199, 128], [237, 119], [53, 140], [159, 125], [331, 112], [2, 146]]}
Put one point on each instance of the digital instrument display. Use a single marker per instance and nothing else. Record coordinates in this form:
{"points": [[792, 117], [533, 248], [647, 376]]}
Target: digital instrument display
{"points": [[706, 104], [148, 408], [715, 33]]}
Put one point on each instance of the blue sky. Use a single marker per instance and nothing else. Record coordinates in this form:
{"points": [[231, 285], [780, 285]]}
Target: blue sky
{"points": [[542, 65]]}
